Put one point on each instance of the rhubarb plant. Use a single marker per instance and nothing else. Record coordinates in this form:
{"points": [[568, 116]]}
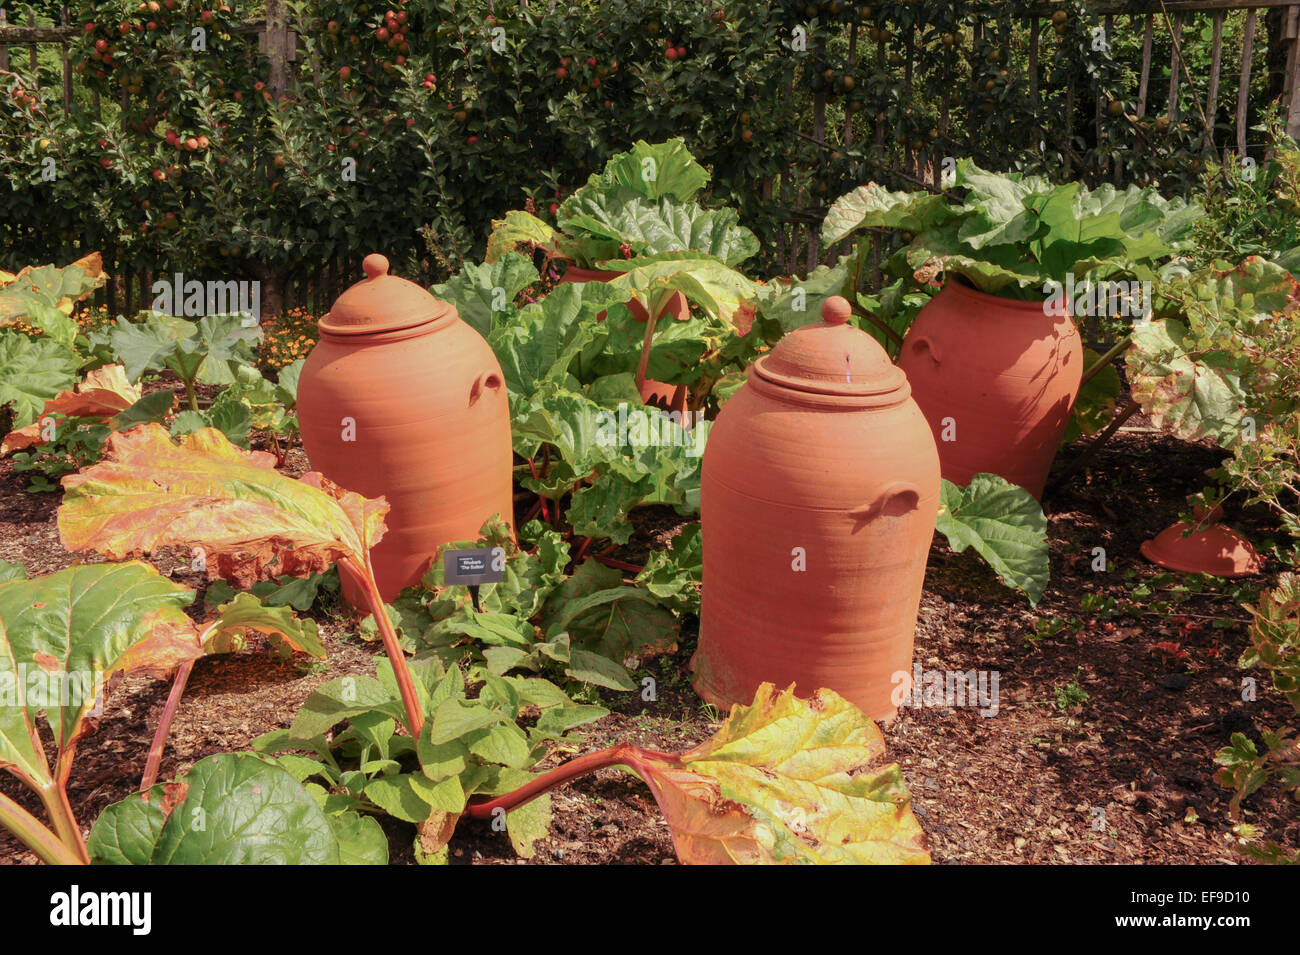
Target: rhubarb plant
{"points": [[42, 297], [246, 520], [639, 218], [1021, 236], [588, 628], [785, 780], [1004, 524], [344, 747], [61, 636], [72, 427], [643, 200], [209, 350]]}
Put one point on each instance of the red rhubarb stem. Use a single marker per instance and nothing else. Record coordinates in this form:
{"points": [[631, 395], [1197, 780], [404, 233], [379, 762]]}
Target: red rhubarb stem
{"points": [[160, 735], [620, 564], [405, 682], [540, 500], [631, 757]]}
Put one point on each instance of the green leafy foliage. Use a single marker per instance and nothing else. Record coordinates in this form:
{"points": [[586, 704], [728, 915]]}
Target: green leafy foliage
{"points": [[1228, 368], [232, 809], [1005, 525], [674, 576], [469, 746], [61, 635], [32, 371], [1016, 235]]}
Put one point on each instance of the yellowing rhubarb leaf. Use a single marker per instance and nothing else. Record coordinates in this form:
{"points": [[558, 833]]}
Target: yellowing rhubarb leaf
{"points": [[707, 829], [247, 614], [784, 781], [803, 773], [248, 521], [171, 641], [102, 394]]}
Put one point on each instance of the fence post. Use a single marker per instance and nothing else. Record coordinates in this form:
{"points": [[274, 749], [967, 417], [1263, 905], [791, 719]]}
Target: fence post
{"points": [[279, 44], [1291, 90]]}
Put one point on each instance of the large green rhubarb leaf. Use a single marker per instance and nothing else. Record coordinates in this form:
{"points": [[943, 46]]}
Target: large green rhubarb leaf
{"points": [[664, 225], [60, 636], [653, 171], [874, 206], [800, 302], [32, 371], [209, 350], [708, 282], [1195, 396], [230, 809], [1004, 524], [547, 341], [484, 295]]}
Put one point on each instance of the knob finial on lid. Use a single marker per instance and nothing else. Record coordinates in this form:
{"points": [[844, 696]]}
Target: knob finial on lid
{"points": [[374, 265], [836, 310]]}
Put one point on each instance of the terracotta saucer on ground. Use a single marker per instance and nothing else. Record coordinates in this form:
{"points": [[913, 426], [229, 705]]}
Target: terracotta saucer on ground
{"points": [[1212, 549]]}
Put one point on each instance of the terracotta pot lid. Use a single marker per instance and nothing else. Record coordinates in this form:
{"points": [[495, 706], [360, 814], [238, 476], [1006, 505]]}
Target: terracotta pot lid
{"points": [[1211, 549], [834, 358], [382, 303]]}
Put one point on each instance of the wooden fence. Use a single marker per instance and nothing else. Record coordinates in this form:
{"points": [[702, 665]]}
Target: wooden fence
{"points": [[798, 247]]}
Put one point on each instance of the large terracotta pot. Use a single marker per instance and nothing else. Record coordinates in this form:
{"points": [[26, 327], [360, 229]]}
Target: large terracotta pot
{"points": [[819, 496], [996, 379], [402, 398], [657, 393]]}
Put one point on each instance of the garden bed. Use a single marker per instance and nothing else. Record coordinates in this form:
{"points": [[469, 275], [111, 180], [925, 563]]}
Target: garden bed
{"points": [[1024, 787]]}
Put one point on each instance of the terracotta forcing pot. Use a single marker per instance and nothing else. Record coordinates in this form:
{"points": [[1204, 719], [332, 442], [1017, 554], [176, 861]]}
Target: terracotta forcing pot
{"points": [[656, 393], [996, 379], [820, 489], [402, 398]]}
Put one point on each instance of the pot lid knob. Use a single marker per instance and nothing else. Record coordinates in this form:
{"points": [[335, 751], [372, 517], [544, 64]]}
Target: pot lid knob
{"points": [[836, 310], [374, 265]]}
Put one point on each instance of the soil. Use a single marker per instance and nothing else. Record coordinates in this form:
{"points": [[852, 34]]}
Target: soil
{"points": [[1101, 751]]}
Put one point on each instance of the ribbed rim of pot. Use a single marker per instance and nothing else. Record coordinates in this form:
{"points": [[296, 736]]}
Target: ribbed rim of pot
{"points": [[825, 394], [960, 285], [439, 318]]}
